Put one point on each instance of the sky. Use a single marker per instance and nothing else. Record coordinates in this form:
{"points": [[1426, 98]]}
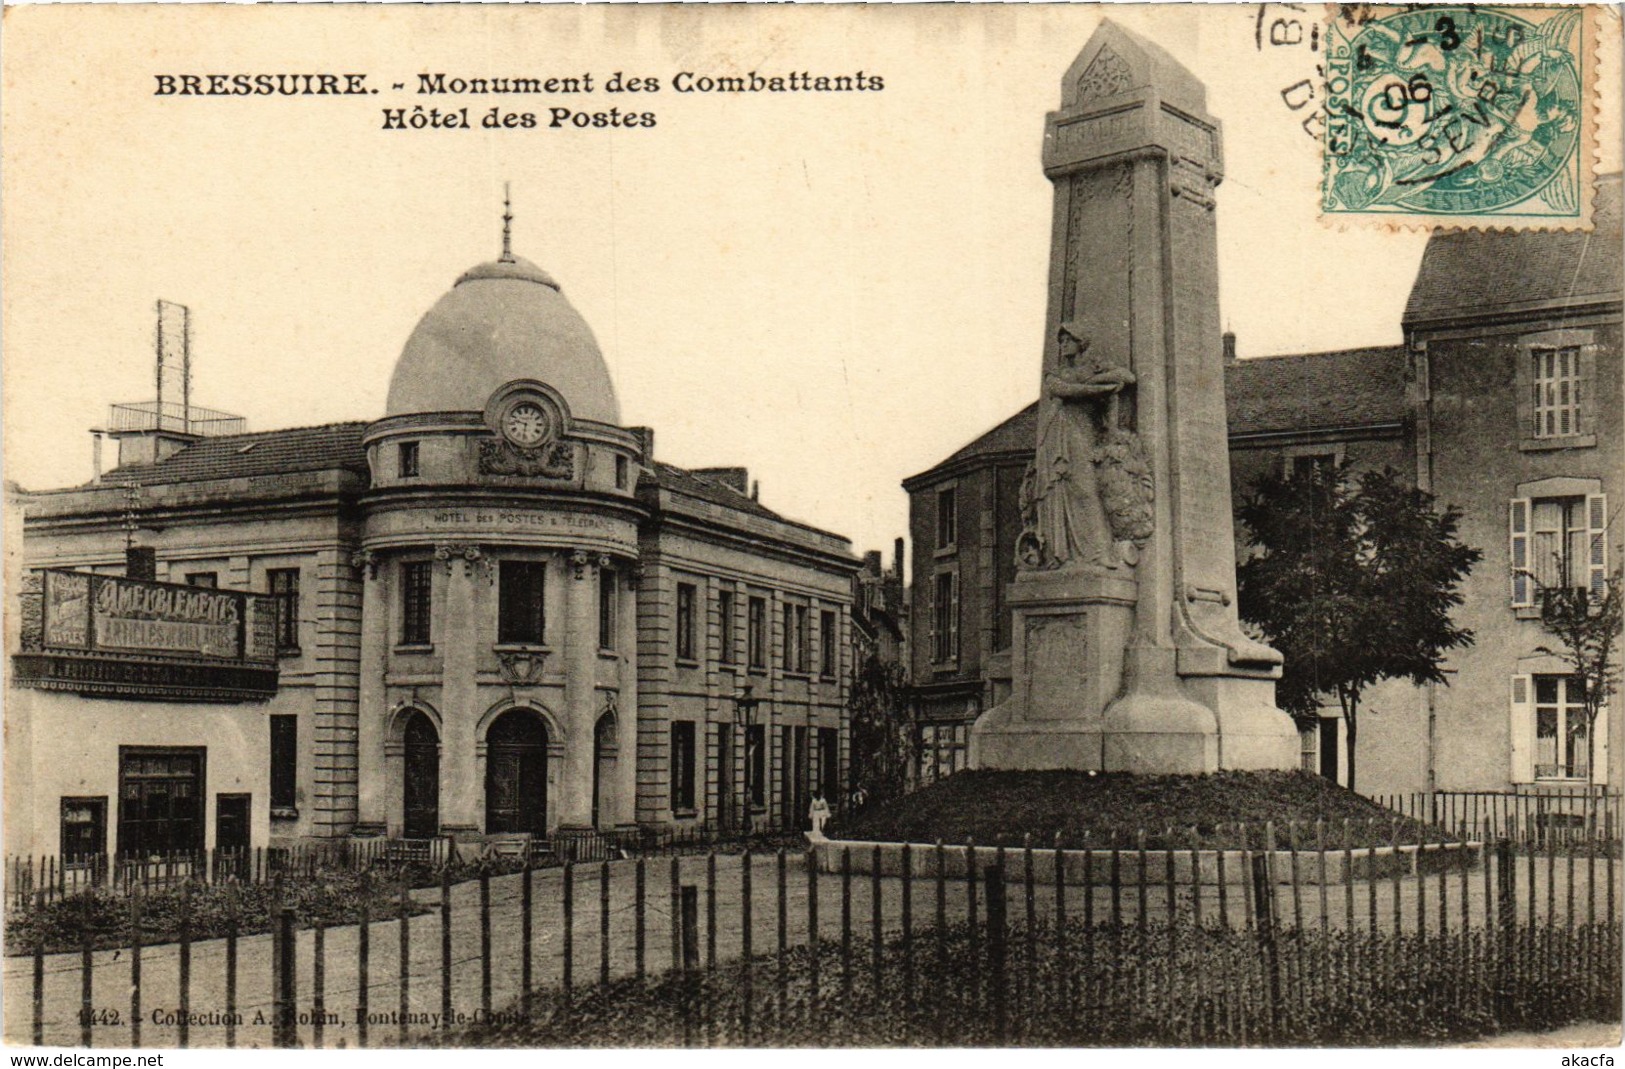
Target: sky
{"points": [[834, 290]]}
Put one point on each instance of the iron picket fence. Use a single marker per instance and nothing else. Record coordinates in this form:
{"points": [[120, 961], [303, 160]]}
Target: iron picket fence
{"points": [[1558, 814], [1302, 934]]}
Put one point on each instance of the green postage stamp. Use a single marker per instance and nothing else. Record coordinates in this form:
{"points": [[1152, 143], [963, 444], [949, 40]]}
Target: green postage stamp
{"points": [[1461, 116]]}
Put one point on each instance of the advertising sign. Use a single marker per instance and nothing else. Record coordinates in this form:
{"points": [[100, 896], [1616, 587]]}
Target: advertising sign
{"points": [[112, 613]]}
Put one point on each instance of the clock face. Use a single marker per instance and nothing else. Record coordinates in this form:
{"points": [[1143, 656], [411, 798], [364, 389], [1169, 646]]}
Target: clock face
{"points": [[526, 424]]}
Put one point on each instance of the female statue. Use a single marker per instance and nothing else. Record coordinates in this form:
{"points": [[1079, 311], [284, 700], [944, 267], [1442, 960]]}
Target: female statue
{"points": [[1088, 497]]}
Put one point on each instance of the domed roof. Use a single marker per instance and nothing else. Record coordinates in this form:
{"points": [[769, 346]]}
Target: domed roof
{"points": [[502, 321]]}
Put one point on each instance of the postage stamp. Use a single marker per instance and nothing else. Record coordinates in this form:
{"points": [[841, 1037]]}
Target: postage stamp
{"points": [[1460, 116]]}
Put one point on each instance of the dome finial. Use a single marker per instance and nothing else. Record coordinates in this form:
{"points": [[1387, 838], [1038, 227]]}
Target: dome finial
{"points": [[507, 226]]}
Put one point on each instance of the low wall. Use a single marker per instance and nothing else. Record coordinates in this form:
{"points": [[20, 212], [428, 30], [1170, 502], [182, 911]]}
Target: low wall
{"points": [[1095, 866]]}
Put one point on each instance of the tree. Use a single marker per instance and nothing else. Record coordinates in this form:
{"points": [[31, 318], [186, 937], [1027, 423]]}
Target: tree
{"points": [[1353, 579], [1586, 621], [882, 736]]}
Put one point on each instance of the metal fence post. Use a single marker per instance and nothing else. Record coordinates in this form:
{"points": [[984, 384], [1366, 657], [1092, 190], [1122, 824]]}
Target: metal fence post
{"points": [[485, 938], [135, 971], [318, 983], [287, 983], [688, 922], [998, 950], [1264, 916], [1506, 913], [405, 957], [87, 1003], [184, 1025], [363, 935], [39, 986]]}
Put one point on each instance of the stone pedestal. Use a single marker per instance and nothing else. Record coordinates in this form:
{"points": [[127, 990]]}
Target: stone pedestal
{"points": [[1055, 717], [1128, 652]]}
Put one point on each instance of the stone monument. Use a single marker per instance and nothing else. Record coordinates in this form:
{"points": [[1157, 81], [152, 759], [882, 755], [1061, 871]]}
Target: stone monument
{"points": [[1128, 654]]}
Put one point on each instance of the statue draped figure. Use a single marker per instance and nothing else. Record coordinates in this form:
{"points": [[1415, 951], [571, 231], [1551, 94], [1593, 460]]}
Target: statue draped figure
{"points": [[1087, 498]]}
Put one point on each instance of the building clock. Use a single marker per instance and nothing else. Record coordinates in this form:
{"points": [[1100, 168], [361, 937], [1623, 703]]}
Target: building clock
{"points": [[526, 425]]}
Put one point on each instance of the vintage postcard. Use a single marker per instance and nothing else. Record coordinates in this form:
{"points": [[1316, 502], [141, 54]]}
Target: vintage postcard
{"points": [[904, 526]]}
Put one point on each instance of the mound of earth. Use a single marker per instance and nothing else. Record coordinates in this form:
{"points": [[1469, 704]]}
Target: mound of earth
{"points": [[998, 808]]}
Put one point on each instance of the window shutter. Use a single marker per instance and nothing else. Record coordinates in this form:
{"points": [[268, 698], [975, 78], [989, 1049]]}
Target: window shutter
{"points": [[935, 616], [1599, 748], [1523, 730], [953, 618], [1597, 530], [1518, 553]]}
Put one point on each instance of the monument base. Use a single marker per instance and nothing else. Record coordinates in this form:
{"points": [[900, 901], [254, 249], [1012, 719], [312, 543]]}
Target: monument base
{"points": [[1084, 698], [1066, 665], [1155, 727], [1253, 733]]}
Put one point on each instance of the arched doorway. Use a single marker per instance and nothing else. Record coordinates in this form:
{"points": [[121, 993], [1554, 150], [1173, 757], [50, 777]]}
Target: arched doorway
{"points": [[422, 772], [516, 774], [603, 773]]}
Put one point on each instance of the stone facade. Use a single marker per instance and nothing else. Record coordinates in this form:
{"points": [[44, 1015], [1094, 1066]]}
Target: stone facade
{"points": [[507, 617]]}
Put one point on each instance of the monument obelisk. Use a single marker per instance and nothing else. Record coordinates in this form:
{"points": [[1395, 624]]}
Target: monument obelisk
{"points": [[1128, 654]]}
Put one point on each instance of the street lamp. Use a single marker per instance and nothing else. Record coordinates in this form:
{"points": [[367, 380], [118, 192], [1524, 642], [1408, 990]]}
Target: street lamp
{"points": [[745, 703]]}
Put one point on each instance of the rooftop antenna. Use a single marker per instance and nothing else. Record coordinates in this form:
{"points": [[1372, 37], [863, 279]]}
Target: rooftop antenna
{"points": [[507, 226]]}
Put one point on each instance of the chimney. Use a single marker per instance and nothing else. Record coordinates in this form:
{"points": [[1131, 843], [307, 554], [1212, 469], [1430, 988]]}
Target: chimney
{"points": [[646, 440], [755, 490], [871, 563], [96, 457], [140, 562], [897, 558], [1229, 347]]}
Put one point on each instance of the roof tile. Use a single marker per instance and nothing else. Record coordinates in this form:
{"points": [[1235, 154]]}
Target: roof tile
{"points": [[333, 446], [1476, 272]]}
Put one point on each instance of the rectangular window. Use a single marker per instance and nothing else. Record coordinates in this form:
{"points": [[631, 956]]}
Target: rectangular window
{"points": [[944, 749], [407, 460], [1306, 465], [756, 765], [1556, 384], [756, 633], [84, 828], [795, 638], [1308, 749], [828, 655], [520, 615], [283, 584], [1561, 749], [682, 765], [945, 618], [621, 473], [947, 518], [160, 807], [284, 763], [211, 580], [685, 621], [725, 626], [829, 765], [606, 608], [793, 792], [417, 578], [785, 656], [1558, 546]]}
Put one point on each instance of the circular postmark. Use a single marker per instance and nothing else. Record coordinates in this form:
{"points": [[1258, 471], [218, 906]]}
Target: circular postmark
{"points": [[1454, 111]]}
